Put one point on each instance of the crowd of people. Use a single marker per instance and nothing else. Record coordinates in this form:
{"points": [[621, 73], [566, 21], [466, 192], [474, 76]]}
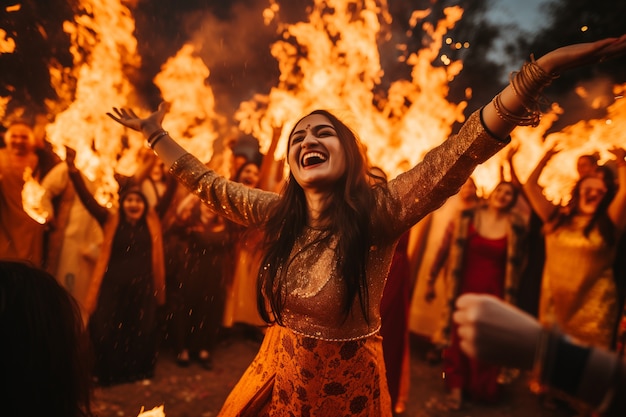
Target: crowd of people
{"points": [[329, 266]]}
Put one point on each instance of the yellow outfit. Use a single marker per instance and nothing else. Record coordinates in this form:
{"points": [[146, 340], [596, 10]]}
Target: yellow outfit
{"points": [[578, 291]]}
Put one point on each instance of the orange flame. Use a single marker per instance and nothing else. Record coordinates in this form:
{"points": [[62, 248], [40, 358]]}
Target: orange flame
{"points": [[329, 61], [105, 30], [332, 62], [192, 118], [584, 137]]}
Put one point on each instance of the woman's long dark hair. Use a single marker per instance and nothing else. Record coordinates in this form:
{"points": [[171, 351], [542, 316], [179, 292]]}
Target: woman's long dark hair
{"points": [[600, 218], [348, 216]]}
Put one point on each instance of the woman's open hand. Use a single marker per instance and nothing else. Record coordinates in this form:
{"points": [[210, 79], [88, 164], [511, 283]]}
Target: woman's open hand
{"points": [[147, 125], [572, 56]]}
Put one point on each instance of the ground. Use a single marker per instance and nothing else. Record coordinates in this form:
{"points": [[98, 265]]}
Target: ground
{"points": [[196, 392]]}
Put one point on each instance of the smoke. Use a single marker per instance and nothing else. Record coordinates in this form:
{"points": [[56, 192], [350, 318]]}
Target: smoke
{"points": [[237, 52]]}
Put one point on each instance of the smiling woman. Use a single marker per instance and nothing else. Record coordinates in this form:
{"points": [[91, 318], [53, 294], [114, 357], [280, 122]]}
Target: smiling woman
{"points": [[486, 252], [127, 286], [316, 153], [582, 299], [330, 239]]}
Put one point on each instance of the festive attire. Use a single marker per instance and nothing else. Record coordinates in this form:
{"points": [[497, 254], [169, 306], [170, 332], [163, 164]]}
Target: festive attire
{"points": [[241, 304], [581, 299], [394, 314], [201, 257], [128, 284], [477, 265], [321, 362]]}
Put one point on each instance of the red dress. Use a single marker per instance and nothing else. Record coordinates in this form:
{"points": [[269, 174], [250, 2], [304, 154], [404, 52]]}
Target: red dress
{"points": [[483, 272], [394, 314]]}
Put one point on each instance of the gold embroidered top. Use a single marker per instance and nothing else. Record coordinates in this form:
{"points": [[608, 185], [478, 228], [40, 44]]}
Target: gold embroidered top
{"points": [[315, 290], [578, 291]]}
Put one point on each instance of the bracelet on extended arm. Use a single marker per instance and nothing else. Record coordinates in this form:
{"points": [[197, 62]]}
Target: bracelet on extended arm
{"points": [[527, 84], [529, 119], [157, 138], [154, 134]]}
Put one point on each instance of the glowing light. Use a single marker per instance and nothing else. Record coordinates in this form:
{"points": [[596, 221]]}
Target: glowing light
{"points": [[7, 45], [329, 61], [13, 8], [584, 28]]}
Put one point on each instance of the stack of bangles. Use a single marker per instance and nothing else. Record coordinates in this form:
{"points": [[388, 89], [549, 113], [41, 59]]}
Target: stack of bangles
{"points": [[562, 365], [155, 137], [527, 85]]}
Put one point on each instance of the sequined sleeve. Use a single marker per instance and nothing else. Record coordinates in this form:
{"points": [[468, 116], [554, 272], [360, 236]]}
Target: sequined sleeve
{"points": [[440, 174], [235, 201]]}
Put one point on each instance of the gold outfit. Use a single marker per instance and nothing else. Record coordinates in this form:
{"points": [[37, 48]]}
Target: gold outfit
{"points": [[321, 363], [578, 292]]}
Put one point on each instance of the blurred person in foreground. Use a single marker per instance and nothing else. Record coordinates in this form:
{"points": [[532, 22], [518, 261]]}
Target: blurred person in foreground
{"points": [[44, 366], [492, 330]]}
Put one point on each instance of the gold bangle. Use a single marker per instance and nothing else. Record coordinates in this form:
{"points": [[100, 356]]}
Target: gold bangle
{"points": [[528, 82], [532, 118]]}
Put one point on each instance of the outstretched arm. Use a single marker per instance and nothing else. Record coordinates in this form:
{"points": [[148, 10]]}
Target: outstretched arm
{"points": [[509, 110], [271, 170], [169, 151], [534, 192], [499, 116]]}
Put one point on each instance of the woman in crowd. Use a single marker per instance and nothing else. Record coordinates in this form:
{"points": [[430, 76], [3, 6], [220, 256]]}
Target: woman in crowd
{"points": [[425, 240], [21, 237], [485, 247], [330, 238], [201, 266], [578, 292], [127, 286]]}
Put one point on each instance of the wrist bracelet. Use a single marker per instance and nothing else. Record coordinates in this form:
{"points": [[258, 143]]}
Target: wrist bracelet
{"points": [[154, 134], [155, 138]]}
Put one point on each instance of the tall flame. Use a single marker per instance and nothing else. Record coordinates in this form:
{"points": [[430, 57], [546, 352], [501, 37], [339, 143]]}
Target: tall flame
{"points": [[105, 31], [332, 62], [192, 118], [584, 137]]}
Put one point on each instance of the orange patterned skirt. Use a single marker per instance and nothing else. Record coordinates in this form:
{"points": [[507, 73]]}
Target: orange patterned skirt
{"points": [[298, 375]]}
